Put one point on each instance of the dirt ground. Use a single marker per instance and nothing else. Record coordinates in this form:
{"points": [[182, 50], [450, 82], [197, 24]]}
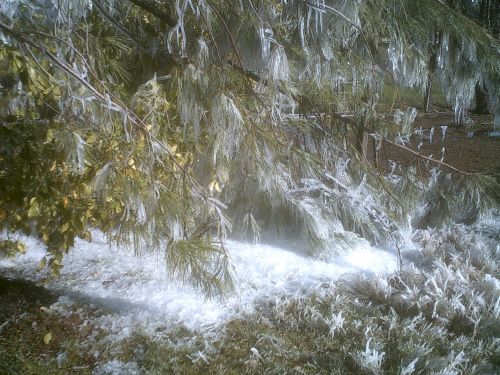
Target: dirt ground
{"points": [[468, 148]]}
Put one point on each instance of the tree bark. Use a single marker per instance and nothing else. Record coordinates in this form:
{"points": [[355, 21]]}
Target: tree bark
{"points": [[481, 99], [427, 96], [432, 64]]}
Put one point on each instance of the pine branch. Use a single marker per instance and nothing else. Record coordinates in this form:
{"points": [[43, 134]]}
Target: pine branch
{"points": [[107, 98], [117, 25], [155, 9]]}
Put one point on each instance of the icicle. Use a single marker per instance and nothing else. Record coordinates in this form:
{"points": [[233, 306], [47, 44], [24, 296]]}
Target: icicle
{"points": [[176, 231], [265, 36], [227, 124], [319, 9], [142, 216], [178, 30], [278, 65], [76, 153], [191, 112], [203, 53], [405, 119], [443, 132], [302, 35], [101, 179]]}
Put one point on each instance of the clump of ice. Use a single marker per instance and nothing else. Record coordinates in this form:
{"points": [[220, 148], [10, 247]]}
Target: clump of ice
{"points": [[117, 368], [138, 293]]}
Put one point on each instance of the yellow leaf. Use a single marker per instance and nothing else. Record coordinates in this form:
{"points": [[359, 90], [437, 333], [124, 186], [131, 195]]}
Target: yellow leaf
{"points": [[47, 338], [92, 138], [50, 135], [87, 236], [42, 264], [21, 247], [131, 162], [214, 185], [217, 187], [33, 210], [64, 228]]}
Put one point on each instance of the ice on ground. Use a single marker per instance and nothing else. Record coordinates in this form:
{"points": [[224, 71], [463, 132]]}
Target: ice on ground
{"points": [[139, 294]]}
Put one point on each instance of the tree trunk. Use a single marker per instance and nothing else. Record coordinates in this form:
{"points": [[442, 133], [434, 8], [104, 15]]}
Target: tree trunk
{"points": [[427, 96], [481, 99], [362, 141], [432, 64]]}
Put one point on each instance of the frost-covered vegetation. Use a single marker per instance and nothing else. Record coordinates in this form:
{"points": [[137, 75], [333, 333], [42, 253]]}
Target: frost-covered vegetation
{"points": [[440, 315], [172, 126]]}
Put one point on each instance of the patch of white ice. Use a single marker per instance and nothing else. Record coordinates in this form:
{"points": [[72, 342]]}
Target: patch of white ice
{"points": [[139, 294]]}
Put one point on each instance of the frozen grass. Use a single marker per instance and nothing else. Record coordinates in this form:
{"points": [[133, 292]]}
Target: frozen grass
{"points": [[139, 291], [291, 314]]}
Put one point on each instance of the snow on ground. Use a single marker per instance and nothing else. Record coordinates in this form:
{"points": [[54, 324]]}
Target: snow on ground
{"points": [[139, 294]]}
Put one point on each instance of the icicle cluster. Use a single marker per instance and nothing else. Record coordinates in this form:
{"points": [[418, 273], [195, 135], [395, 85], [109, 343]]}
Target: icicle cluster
{"points": [[227, 125]]}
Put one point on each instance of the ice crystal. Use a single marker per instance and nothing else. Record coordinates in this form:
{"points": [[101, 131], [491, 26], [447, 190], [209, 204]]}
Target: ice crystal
{"points": [[265, 36], [409, 68], [227, 123], [76, 152], [278, 65], [190, 109], [405, 120]]}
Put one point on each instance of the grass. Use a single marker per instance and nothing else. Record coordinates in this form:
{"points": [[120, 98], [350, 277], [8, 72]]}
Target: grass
{"points": [[394, 97], [439, 317]]}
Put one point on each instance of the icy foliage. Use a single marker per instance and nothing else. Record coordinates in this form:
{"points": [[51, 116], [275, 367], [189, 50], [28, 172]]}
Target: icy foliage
{"points": [[227, 124], [9, 8], [278, 65], [409, 68], [101, 180], [76, 152], [178, 33], [439, 315], [454, 60], [405, 120], [117, 367], [265, 36], [63, 14], [190, 109], [261, 117], [203, 53]]}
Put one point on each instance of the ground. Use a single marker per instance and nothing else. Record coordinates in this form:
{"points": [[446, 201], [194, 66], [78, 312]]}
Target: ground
{"points": [[470, 148]]}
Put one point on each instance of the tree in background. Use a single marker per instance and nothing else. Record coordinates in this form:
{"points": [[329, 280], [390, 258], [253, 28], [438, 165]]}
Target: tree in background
{"points": [[170, 124], [487, 14]]}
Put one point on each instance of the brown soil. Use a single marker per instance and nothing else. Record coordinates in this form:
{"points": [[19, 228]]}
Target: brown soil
{"points": [[468, 148]]}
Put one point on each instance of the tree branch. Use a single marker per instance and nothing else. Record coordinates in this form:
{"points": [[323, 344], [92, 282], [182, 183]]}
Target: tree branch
{"points": [[156, 9], [350, 122]]}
